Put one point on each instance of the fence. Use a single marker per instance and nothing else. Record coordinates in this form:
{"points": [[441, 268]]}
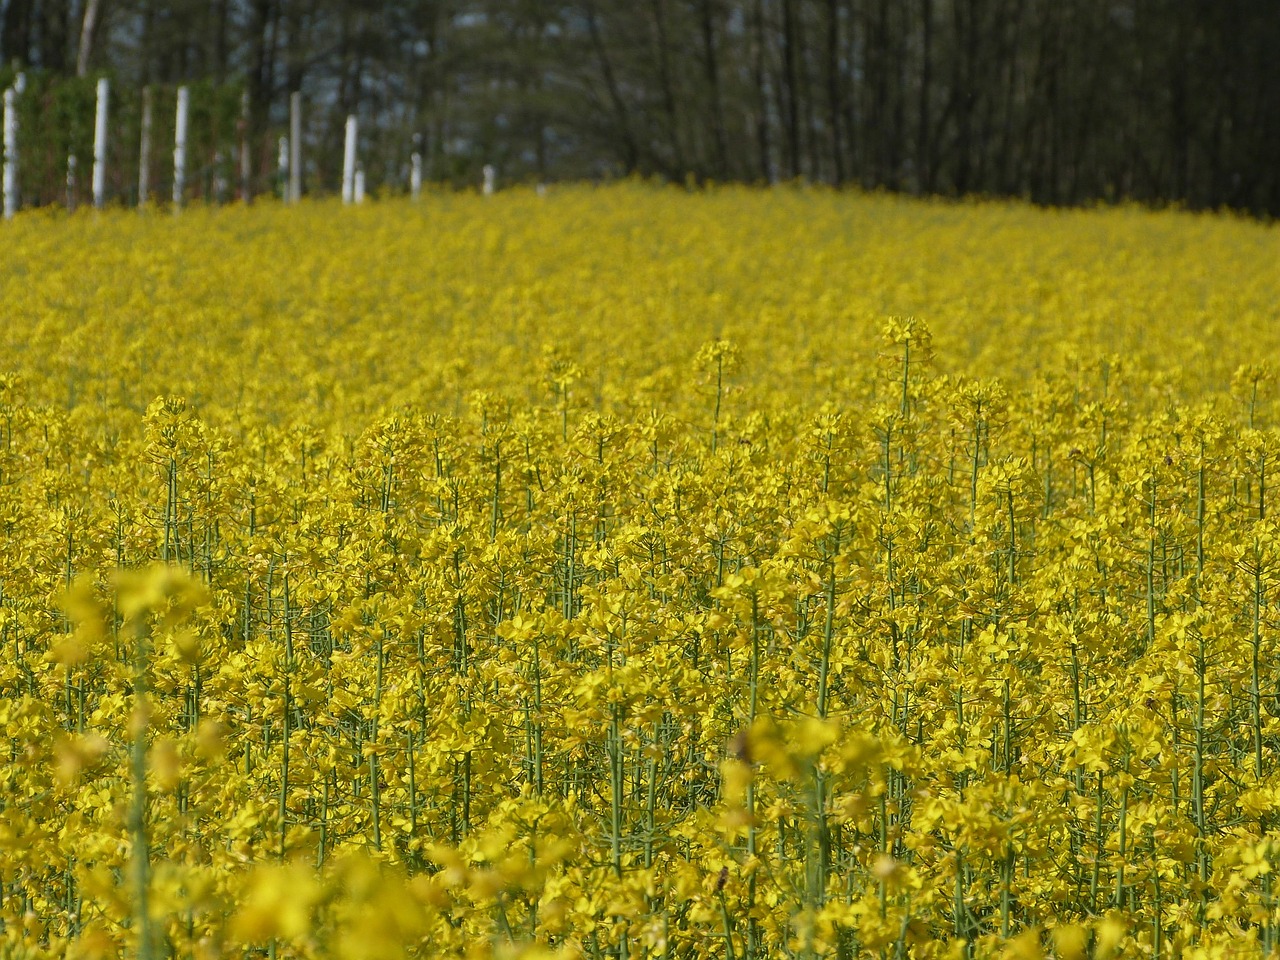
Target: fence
{"points": [[56, 127]]}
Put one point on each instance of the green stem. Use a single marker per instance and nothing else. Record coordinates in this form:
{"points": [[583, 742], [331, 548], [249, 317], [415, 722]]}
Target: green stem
{"points": [[138, 806]]}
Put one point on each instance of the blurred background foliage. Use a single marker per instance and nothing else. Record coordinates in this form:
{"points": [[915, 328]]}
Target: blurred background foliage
{"points": [[1057, 101]]}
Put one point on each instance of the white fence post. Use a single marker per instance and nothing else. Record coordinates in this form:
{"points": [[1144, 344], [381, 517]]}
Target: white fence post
{"points": [[180, 147], [295, 146], [219, 178], [349, 162], [359, 184], [415, 175], [71, 181], [100, 146], [490, 179], [282, 168], [144, 150], [10, 152]]}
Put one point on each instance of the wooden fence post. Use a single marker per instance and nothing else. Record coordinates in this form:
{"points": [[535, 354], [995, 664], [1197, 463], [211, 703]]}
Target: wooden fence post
{"points": [[100, 145], [349, 162], [10, 152], [219, 178], [144, 150], [282, 168], [295, 146], [180, 147]]}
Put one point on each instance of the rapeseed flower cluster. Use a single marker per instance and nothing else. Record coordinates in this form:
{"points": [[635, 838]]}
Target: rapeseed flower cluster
{"points": [[630, 573]]}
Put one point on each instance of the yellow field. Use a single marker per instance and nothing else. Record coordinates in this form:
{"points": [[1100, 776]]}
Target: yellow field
{"points": [[634, 573]]}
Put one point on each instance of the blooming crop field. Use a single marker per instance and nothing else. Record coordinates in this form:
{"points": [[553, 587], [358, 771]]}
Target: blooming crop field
{"points": [[633, 573]]}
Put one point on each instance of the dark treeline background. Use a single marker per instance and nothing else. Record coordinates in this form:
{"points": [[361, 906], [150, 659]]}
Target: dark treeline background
{"points": [[1059, 101]]}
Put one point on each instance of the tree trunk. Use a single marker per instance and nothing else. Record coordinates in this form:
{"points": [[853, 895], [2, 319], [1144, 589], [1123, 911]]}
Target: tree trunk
{"points": [[712, 66], [759, 78], [630, 149], [835, 107], [55, 32], [221, 48], [668, 87], [262, 72], [88, 30], [924, 157], [791, 85], [963, 93], [15, 41]]}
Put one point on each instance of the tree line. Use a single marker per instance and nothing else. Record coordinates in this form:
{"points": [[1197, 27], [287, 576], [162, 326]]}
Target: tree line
{"points": [[1058, 101]]}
